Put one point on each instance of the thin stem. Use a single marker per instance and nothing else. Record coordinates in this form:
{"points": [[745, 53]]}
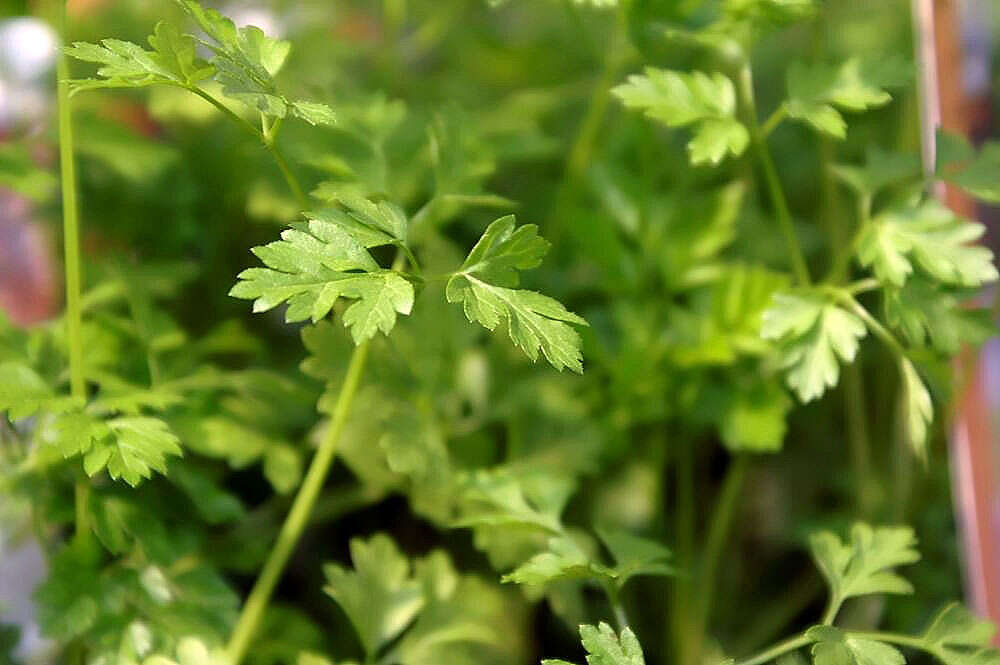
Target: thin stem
{"points": [[680, 615], [586, 137], [298, 517], [71, 244], [893, 638], [241, 121], [832, 607], [779, 649], [293, 183], [71, 230], [777, 194], [617, 609], [854, 405], [774, 120], [880, 331], [718, 531], [266, 136]]}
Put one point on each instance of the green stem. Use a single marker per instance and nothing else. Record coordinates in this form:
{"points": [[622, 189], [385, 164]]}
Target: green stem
{"points": [[293, 183], [832, 607], [586, 137], [71, 244], [779, 649], [893, 638], [617, 609], [718, 531], [680, 606], [298, 517], [774, 120], [854, 405], [71, 232], [266, 136], [777, 194]]}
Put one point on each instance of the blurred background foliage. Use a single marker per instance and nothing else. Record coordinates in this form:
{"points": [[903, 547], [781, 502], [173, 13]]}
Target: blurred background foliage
{"points": [[463, 112]]}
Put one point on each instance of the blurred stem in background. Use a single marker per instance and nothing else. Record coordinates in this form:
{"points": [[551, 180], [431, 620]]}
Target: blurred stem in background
{"points": [[71, 244]]}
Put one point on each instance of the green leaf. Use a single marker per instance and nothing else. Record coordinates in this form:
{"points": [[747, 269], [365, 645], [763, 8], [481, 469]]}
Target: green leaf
{"points": [[314, 113], [534, 321], [958, 637], [931, 236], [928, 314], [604, 647], [882, 169], [918, 411], [136, 447], [23, 392], [835, 647], [976, 173], [705, 102], [246, 59], [561, 561], [812, 334], [126, 65], [635, 556], [308, 267], [283, 468], [68, 599], [864, 565], [754, 418], [855, 85], [378, 596]]}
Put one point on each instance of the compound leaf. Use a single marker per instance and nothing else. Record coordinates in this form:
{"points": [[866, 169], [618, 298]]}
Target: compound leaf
{"points": [[815, 92], [958, 637], [812, 334], [604, 647], [172, 61], [534, 321], [307, 269], [379, 596], [705, 102], [865, 564], [931, 236], [835, 647]]}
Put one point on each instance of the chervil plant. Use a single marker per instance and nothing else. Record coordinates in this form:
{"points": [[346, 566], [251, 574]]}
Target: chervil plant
{"points": [[732, 247]]}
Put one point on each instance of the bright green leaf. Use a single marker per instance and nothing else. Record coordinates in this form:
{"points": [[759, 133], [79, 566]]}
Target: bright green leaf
{"points": [[534, 321]]}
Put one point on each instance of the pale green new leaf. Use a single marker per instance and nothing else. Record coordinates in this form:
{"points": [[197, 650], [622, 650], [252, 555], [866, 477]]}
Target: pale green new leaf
{"points": [[812, 335], [865, 564], [534, 321], [958, 637], [705, 102], [918, 412], [835, 647], [930, 236], [172, 61], [379, 596], [604, 647], [855, 85]]}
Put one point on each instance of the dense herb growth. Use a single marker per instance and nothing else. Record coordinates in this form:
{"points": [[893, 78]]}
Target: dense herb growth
{"points": [[191, 504]]}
